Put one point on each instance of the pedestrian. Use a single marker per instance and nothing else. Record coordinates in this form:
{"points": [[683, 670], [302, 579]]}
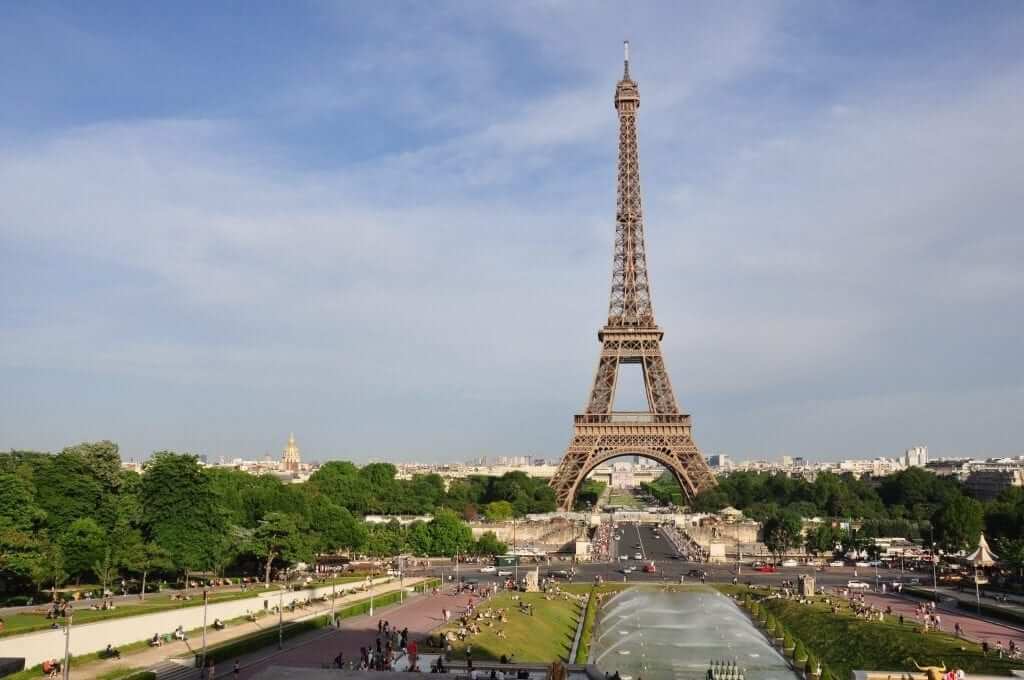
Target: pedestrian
{"points": [[901, 619], [956, 628], [999, 648], [236, 670]]}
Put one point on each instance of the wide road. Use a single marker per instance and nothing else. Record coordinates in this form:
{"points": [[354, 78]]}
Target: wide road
{"points": [[654, 547]]}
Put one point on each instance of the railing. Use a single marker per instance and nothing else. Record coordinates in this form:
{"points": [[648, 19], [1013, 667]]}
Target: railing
{"points": [[626, 417]]}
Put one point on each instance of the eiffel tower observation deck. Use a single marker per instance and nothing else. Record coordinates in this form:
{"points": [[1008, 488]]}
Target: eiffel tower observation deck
{"points": [[631, 336]]}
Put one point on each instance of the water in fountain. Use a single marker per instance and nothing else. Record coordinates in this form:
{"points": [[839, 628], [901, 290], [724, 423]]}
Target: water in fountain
{"points": [[662, 635]]}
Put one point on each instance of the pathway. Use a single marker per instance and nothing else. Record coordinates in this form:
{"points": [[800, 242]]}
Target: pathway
{"points": [[979, 630], [153, 656], [420, 615]]}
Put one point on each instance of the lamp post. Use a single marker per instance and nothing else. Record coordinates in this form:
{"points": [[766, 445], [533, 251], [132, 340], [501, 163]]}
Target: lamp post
{"points": [[401, 581], [334, 595], [67, 645], [371, 591], [515, 556], [280, 619], [206, 599]]}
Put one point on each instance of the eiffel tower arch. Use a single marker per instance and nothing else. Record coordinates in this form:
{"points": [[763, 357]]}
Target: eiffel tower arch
{"points": [[631, 336]]}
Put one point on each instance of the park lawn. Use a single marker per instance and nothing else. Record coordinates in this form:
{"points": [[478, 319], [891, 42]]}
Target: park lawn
{"points": [[844, 642], [545, 636], [20, 623], [624, 499]]}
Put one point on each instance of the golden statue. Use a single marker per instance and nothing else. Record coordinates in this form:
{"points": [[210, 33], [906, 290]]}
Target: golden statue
{"points": [[933, 672]]}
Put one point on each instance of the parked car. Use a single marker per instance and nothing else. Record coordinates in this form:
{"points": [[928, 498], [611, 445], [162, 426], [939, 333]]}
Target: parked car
{"points": [[489, 569], [862, 564], [561, 573], [627, 570], [649, 568], [637, 556], [790, 563], [857, 585], [837, 563], [504, 572], [767, 569], [693, 573]]}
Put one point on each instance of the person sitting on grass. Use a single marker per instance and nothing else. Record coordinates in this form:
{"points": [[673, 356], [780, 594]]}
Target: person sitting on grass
{"points": [[155, 641], [218, 624], [111, 653]]}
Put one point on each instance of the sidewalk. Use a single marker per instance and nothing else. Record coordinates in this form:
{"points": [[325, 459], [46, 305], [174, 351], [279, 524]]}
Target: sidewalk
{"points": [[151, 656], [967, 597]]}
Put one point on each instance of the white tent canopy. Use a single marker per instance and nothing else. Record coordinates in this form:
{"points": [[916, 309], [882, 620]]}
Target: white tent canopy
{"points": [[982, 557]]}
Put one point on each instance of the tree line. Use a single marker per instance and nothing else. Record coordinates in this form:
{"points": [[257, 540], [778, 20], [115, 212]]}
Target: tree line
{"points": [[77, 515], [913, 503]]}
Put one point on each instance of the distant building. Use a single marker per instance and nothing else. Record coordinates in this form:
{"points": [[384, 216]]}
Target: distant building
{"points": [[787, 461], [916, 457], [291, 461], [986, 484], [718, 460]]}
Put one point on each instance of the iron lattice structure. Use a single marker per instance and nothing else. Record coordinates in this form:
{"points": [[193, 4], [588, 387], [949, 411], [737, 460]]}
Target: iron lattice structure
{"points": [[631, 336]]}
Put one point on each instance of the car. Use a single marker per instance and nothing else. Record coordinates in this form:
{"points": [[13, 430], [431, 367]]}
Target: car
{"points": [[693, 573], [489, 569], [837, 563], [649, 568], [627, 570], [637, 556], [862, 564], [857, 585], [912, 581], [767, 569], [790, 563], [561, 573], [504, 572], [623, 557]]}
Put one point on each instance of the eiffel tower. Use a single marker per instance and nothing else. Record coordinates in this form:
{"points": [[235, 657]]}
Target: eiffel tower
{"points": [[631, 336]]}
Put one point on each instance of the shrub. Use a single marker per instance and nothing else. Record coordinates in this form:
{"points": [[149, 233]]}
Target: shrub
{"points": [[787, 640], [811, 665], [799, 652]]}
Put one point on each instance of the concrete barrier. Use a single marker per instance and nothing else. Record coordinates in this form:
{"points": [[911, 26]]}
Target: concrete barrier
{"points": [[92, 637]]}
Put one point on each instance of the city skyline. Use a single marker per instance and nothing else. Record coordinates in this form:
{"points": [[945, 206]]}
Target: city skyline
{"points": [[387, 232]]}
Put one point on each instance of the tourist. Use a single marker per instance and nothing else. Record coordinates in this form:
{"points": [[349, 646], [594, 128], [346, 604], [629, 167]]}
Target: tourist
{"points": [[956, 628], [999, 648], [236, 670], [339, 660]]}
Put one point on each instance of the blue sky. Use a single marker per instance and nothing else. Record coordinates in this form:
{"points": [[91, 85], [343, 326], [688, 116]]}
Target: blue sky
{"points": [[389, 230]]}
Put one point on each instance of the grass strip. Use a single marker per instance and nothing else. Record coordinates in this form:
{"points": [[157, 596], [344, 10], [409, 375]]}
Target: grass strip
{"points": [[589, 617], [21, 623], [843, 642]]}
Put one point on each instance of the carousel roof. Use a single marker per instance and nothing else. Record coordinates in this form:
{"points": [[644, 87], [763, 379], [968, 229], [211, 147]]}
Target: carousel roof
{"points": [[982, 557]]}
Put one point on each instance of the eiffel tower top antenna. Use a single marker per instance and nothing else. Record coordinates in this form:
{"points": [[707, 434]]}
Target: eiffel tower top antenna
{"points": [[625, 71]]}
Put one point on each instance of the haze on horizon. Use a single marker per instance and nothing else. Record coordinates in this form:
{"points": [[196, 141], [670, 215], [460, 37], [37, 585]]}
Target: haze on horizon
{"points": [[390, 230]]}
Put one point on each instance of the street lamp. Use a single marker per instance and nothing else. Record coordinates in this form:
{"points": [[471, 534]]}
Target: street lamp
{"points": [[280, 619], [334, 594], [206, 599], [67, 644]]}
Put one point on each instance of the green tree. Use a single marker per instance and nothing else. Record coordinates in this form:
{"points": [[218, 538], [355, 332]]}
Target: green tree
{"points": [[488, 544], [449, 534], [958, 523], [782, 532], [1011, 552], [336, 528], [498, 511], [278, 538], [83, 545], [143, 558], [104, 568], [179, 510], [18, 504], [50, 567]]}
